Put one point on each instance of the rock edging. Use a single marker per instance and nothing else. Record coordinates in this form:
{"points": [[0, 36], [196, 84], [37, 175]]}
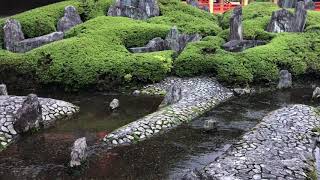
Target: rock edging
{"points": [[199, 95]]}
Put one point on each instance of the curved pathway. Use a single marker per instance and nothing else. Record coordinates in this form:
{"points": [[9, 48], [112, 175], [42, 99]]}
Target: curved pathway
{"points": [[280, 147]]}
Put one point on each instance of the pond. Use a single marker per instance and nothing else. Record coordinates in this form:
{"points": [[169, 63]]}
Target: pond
{"points": [[12, 7], [167, 156]]}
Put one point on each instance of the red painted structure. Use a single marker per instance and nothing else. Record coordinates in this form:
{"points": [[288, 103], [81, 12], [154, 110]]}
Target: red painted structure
{"points": [[219, 8]]}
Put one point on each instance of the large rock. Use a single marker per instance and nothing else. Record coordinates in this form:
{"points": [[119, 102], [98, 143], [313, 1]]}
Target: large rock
{"points": [[3, 90], [241, 45], [287, 3], [236, 24], [29, 116], [78, 152], [156, 44], [284, 21], [177, 42], [136, 9], [14, 39], [285, 80], [12, 34], [173, 95], [70, 19]]}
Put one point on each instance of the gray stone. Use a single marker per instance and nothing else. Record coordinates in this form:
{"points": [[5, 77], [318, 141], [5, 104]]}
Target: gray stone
{"points": [[70, 19], [12, 34], [210, 125], [173, 95], [29, 116], [316, 93], [287, 3], [3, 90], [285, 80], [241, 45], [309, 4], [114, 104], [136, 9], [236, 24], [156, 44], [284, 21], [78, 152], [136, 92]]}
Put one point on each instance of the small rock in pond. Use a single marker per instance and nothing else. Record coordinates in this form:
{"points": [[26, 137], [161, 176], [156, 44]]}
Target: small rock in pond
{"points": [[3, 90], [29, 116], [114, 104], [136, 92], [285, 80], [316, 93], [78, 152], [210, 125]]}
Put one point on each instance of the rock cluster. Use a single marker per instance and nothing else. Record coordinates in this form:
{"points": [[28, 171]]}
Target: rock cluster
{"points": [[70, 19], [136, 9], [280, 147], [236, 42], [29, 116], [316, 93], [51, 109], [78, 152], [285, 79], [174, 41], [285, 21], [199, 95], [14, 39], [195, 3]]}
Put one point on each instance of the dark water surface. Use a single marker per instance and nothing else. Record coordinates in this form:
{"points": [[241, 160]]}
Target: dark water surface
{"points": [[167, 156], [12, 7]]}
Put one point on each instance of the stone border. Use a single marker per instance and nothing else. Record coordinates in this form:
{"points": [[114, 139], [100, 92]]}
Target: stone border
{"points": [[199, 95], [52, 110], [280, 147]]}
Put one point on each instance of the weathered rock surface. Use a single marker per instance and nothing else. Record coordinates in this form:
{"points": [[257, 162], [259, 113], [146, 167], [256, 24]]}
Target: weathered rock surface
{"points": [[284, 21], [309, 4], [173, 95], [287, 3], [280, 147], [210, 125], [78, 152], [136, 9], [236, 31], [114, 104], [199, 95], [70, 19], [3, 90], [174, 41], [241, 45], [51, 109], [285, 79], [14, 39], [29, 116], [316, 93]]}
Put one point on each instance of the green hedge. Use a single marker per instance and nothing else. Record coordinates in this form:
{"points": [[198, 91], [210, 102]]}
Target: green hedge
{"points": [[95, 52], [299, 53], [187, 18]]}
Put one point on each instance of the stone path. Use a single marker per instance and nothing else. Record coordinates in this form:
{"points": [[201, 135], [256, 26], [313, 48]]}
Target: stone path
{"points": [[52, 110], [199, 95], [280, 147]]}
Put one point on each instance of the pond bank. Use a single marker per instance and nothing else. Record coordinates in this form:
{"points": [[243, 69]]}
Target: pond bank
{"points": [[279, 147]]}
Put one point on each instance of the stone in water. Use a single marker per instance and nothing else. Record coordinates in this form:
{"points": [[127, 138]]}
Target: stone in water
{"points": [[78, 152], [70, 19], [114, 104], [3, 90]]}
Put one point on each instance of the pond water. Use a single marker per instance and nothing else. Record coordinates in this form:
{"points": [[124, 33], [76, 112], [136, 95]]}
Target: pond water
{"points": [[12, 7], [167, 156]]}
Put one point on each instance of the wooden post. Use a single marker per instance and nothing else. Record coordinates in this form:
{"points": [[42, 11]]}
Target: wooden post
{"points": [[211, 6]]}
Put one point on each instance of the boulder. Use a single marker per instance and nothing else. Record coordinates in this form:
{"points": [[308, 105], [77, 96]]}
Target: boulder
{"points": [[70, 19], [3, 90], [285, 80], [177, 42], [156, 44], [173, 95], [14, 39], [29, 116], [316, 93], [236, 24], [241, 45], [287, 3], [12, 34], [284, 21], [136, 9], [78, 152], [114, 104]]}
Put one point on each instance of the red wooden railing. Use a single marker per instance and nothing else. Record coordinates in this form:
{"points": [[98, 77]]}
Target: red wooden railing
{"points": [[221, 8]]}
